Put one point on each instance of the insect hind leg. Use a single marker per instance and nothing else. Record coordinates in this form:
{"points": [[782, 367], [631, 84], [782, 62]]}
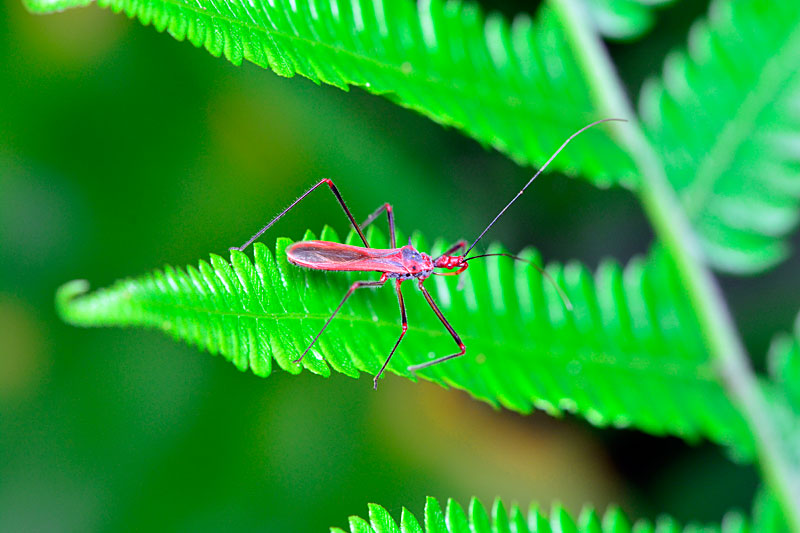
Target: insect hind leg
{"points": [[404, 322], [389, 215], [335, 192], [350, 291]]}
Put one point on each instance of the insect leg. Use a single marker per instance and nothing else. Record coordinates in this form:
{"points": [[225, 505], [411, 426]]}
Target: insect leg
{"points": [[404, 322], [335, 192], [462, 348], [351, 290], [389, 215], [460, 245], [457, 246]]}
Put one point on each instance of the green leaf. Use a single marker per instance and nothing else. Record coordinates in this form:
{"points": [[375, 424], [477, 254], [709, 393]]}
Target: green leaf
{"points": [[767, 514], [381, 521], [623, 19], [515, 87], [478, 518], [783, 389], [629, 355], [359, 525], [409, 523], [767, 519], [54, 6], [434, 519], [456, 517], [726, 120], [784, 366]]}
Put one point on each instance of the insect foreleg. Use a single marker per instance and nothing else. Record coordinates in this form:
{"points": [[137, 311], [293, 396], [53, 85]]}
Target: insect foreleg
{"points": [[463, 349], [351, 290], [389, 215], [404, 323], [460, 245], [335, 192]]}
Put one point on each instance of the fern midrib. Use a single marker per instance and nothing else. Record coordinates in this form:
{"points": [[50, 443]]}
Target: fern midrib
{"points": [[775, 74], [672, 227], [489, 100], [676, 369]]}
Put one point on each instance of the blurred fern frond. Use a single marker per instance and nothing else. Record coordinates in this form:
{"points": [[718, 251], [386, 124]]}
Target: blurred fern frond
{"points": [[515, 87], [783, 389], [725, 118], [629, 355], [623, 19], [54, 6], [477, 520], [784, 363]]}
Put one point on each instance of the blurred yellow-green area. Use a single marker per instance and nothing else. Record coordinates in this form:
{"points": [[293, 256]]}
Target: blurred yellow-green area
{"points": [[122, 150]]}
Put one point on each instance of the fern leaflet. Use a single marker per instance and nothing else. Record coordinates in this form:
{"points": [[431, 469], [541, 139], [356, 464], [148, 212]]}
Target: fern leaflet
{"points": [[783, 390], [725, 117]]}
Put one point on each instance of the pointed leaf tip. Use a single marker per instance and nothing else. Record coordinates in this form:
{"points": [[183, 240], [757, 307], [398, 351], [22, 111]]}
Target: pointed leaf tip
{"points": [[66, 295], [380, 519], [434, 519], [409, 522]]}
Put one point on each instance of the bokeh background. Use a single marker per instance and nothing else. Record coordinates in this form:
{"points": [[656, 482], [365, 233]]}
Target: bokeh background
{"points": [[122, 150]]}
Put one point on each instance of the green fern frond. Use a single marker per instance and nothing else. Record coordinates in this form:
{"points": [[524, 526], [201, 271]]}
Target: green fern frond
{"points": [[725, 117], [477, 520], [515, 87], [629, 355], [783, 390], [54, 6], [623, 19], [784, 364]]}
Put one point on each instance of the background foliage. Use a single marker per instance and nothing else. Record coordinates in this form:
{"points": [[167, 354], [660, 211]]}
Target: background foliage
{"points": [[124, 149]]}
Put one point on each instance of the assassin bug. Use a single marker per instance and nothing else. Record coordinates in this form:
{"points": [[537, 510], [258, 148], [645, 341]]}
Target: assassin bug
{"points": [[398, 264]]}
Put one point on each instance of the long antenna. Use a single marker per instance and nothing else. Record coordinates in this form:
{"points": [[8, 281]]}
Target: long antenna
{"points": [[546, 275], [537, 175]]}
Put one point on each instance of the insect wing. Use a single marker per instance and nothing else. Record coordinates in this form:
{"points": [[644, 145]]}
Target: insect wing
{"points": [[324, 255]]}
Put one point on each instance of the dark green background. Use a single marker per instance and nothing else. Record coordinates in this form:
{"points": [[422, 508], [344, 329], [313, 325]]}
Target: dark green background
{"points": [[122, 150]]}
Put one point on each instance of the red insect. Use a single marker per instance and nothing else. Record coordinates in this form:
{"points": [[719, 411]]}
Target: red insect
{"points": [[398, 264]]}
